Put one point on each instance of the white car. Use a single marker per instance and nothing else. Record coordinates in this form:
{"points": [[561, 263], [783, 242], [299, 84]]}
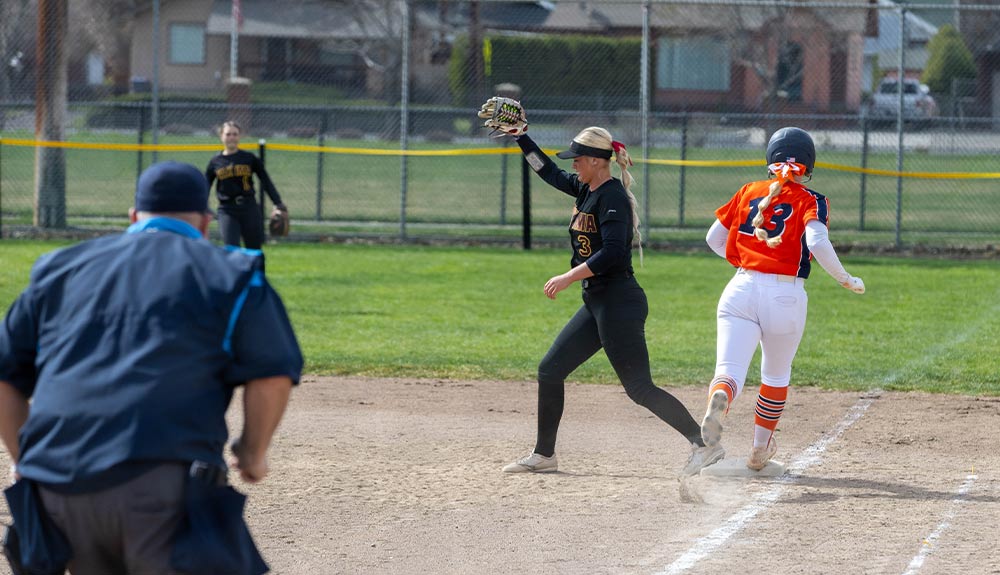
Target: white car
{"points": [[918, 104]]}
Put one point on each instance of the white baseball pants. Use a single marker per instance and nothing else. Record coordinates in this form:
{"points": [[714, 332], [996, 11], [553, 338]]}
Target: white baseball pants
{"points": [[765, 309]]}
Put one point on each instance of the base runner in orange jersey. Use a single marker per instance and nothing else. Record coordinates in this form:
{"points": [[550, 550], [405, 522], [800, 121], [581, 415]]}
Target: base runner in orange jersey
{"points": [[770, 231]]}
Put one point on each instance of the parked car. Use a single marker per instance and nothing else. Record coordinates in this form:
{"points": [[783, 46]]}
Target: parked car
{"points": [[918, 104]]}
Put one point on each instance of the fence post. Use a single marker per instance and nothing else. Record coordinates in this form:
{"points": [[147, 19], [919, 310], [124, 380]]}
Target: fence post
{"points": [[864, 174], [683, 176], [404, 118], [319, 166], [1, 188], [142, 131], [503, 183], [525, 204], [899, 127], [646, 107], [261, 149], [155, 110]]}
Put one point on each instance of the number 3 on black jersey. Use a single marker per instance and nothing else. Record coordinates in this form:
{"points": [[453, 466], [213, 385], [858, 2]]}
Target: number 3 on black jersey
{"points": [[781, 212]]}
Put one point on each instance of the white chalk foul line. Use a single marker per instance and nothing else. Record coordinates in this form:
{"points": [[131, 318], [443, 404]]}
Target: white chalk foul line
{"points": [[928, 546], [811, 456]]}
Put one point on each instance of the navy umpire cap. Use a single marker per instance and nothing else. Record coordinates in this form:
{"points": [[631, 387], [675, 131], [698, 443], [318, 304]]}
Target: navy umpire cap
{"points": [[172, 187]]}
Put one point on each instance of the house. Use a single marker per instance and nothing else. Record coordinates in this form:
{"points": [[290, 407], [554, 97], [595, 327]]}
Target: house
{"points": [[750, 58], [348, 45], [881, 55], [981, 31], [705, 56]]}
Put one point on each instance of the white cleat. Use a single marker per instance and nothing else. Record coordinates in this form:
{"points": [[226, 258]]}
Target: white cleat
{"points": [[711, 425], [702, 457], [533, 463], [759, 456]]}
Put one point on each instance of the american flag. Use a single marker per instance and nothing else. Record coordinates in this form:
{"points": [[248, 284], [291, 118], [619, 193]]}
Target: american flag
{"points": [[238, 14]]}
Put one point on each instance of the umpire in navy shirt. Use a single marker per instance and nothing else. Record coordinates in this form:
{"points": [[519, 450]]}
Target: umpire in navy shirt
{"points": [[129, 348]]}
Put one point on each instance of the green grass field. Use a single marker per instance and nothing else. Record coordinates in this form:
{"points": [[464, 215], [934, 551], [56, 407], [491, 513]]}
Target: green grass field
{"points": [[928, 325], [467, 189]]}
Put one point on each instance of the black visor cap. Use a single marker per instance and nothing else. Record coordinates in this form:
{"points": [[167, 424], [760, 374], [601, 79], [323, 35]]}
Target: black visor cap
{"points": [[577, 149]]}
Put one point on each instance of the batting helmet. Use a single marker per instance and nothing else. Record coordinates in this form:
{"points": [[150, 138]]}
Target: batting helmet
{"points": [[792, 145]]}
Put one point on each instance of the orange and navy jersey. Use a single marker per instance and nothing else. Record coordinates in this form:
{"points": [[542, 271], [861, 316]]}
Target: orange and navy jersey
{"points": [[786, 217]]}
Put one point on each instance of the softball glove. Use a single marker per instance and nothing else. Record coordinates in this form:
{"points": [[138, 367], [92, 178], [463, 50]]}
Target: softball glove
{"points": [[279, 223], [504, 116]]}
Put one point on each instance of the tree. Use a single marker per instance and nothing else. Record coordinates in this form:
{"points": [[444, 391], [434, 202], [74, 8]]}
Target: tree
{"points": [[380, 42], [949, 60], [17, 28], [108, 24], [50, 114]]}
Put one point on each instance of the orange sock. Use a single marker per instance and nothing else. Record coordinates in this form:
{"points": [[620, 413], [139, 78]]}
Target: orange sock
{"points": [[770, 404], [726, 384]]}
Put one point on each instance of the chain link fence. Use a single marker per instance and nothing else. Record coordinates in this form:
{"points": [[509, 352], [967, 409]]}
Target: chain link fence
{"points": [[693, 87]]}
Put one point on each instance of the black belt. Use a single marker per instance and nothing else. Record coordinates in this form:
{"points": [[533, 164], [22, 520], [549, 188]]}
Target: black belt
{"points": [[236, 201], [602, 279], [210, 474]]}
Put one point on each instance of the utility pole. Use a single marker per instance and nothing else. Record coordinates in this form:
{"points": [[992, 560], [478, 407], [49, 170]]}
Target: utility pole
{"points": [[50, 114], [475, 54]]}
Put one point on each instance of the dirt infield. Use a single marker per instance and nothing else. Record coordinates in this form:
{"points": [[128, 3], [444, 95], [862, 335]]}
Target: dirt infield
{"points": [[403, 476]]}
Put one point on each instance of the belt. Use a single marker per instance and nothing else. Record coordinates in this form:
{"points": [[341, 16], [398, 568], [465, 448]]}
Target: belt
{"points": [[211, 474], [780, 278], [237, 200], [603, 279]]}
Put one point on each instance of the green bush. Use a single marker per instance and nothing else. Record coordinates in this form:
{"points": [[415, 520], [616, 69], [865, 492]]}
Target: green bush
{"points": [[554, 69], [948, 59], [459, 71]]}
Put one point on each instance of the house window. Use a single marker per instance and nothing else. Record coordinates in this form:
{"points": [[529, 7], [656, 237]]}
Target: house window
{"points": [[790, 71], [335, 54], [693, 63], [187, 44]]}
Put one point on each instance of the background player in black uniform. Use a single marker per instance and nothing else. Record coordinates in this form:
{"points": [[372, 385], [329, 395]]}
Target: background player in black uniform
{"points": [[239, 214], [613, 315]]}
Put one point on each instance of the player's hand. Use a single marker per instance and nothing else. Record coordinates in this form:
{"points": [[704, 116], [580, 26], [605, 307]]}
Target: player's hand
{"points": [[252, 466], [855, 285], [555, 285]]}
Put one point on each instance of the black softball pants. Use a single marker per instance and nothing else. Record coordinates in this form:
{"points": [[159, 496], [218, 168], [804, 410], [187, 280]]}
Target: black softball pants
{"points": [[243, 220], [613, 317]]}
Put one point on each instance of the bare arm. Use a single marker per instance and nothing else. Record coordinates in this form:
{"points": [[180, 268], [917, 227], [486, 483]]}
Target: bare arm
{"points": [[562, 281], [13, 414], [264, 402]]}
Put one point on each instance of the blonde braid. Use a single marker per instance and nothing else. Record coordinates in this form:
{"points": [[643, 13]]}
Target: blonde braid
{"points": [[623, 161], [758, 231]]}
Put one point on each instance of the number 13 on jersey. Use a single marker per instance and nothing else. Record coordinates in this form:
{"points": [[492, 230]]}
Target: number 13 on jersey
{"points": [[780, 213]]}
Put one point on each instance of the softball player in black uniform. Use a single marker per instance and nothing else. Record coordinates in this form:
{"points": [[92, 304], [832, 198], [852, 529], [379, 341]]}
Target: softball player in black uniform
{"points": [[239, 214], [614, 310]]}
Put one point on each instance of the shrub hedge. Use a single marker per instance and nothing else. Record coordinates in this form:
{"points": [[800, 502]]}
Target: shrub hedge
{"points": [[553, 69]]}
